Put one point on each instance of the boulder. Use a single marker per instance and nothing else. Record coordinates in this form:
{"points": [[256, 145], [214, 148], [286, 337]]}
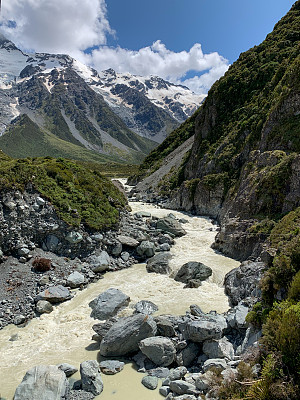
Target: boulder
{"points": [[108, 303], [51, 242], [74, 237], [102, 328], [164, 390], [111, 367], [99, 263], [158, 349], [182, 387], [150, 382], [203, 381], [127, 241], [124, 336], [43, 307], [146, 249], [210, 326], [159, 263], [164, 327], [193, 271], [221, 348], [91, 380], [241, 312], [116, 249], [170, 225], [41, 383], [216, 363], [242, 282], [54, 294], [68, 369], [187, 355], [177, 373], [75, 279], [142, 214], [145, 307]]}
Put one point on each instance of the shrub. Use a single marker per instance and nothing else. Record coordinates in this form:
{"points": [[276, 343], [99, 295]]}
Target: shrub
{"points": [[41, 264]]}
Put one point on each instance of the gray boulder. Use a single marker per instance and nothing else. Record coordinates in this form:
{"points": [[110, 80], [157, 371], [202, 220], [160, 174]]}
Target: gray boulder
{"points": [[170, 225], [43, 307], [217, 363], [74, 237], [158, 349], [44, 382], [150, 382], [111, 367], [159, 263], [91, 380], [145, 307], [51, 242], [221, 348], [54, 294], [182, 387], [187, 355], [164, 327], [108, 304], [99, 263], [127, 241], [68, 369], [102, 328], [210, 326], [193, 271], [75, 279], [124, 336], [116, 249], [164, 390], [177, 374], [146, 249]]}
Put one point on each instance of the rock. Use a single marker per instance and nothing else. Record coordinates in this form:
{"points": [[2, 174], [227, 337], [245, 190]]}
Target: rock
{"points": [[164, 327], [40, 201], [242, 282], [145, 307], [229, 374], [74, 237], [177, 374], [193, 270], [221, 348], [125, 256], [165, 247], [142, 214], [196, 310], [19, 319], [241, 312], [79, 394], [90, 377], [208, 327], [146, 249], [158, 349], [68, 369], [203, 382], [111, 367], [182, 387], [43, 306], [75, 279], [186, 356], [54, 294], [117, 249], [44, 280], [108, 303], [102, 328], [41, 382], [150, 382], [164, 390], [170, 225], [159, 263], [127, 241], [251, 337], [159, 372], [51, 242], [99, 263], [124, 336], [23, 252], [218, 363], [193, 283]]}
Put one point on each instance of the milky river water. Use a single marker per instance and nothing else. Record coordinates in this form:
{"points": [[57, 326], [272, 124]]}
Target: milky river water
{"points": [[65, 334]]}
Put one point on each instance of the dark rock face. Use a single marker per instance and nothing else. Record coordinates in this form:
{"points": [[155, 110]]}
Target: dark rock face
{"points": [[193, 271], [242, 282], [124, 336], [108, 303]]}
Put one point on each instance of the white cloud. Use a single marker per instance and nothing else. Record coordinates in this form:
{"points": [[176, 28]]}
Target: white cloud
{"points": [[158, 60], [72, 26]]}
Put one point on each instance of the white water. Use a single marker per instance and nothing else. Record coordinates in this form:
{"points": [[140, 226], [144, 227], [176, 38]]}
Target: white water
{"points": [[65, 334]]}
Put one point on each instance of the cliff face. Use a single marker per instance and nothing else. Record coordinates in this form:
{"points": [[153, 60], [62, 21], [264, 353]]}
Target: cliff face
{"points": [[244, 164]]}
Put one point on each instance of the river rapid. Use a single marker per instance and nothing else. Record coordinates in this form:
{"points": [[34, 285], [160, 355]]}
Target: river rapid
{"points": [[65, 334]]}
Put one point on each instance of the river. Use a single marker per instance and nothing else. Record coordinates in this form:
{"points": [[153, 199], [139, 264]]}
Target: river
{"points": [[65, 334]]}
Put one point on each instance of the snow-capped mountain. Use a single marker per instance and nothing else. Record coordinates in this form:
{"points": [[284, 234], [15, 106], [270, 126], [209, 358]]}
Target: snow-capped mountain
{"points": [[111, 114]]}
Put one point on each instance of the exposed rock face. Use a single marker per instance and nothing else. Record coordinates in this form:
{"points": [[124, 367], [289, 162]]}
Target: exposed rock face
{"points": [[124, 336], [43, 382], [158, 349], [193, 271], [108, 303]]}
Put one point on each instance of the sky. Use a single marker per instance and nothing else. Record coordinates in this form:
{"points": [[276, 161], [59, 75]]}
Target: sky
{"points": [[190, 42]]}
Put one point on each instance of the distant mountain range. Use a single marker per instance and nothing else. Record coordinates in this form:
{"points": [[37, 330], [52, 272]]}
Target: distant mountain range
{"points": [[54, 105]]}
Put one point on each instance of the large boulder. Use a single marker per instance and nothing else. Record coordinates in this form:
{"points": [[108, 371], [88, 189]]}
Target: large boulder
{"points": [[158, 349], [221, 348], [108, 303], [54, 294], [242, 282], [182, 387], [127, 241], [146, 249], [91, 380], [100, 262], [208, 326], [75, 279], [43, 307], [186, 356], [44, 382], [124, 336], [170, 225], [216, 363], [145, 307], [159, 263], [193, 271]]}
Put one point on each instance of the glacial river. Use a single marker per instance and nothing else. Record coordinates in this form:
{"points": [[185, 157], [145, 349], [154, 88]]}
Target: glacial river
{"points": [[65, 334]]}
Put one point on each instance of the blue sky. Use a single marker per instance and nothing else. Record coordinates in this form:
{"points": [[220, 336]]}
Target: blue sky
{"points": [[185, 41]]}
